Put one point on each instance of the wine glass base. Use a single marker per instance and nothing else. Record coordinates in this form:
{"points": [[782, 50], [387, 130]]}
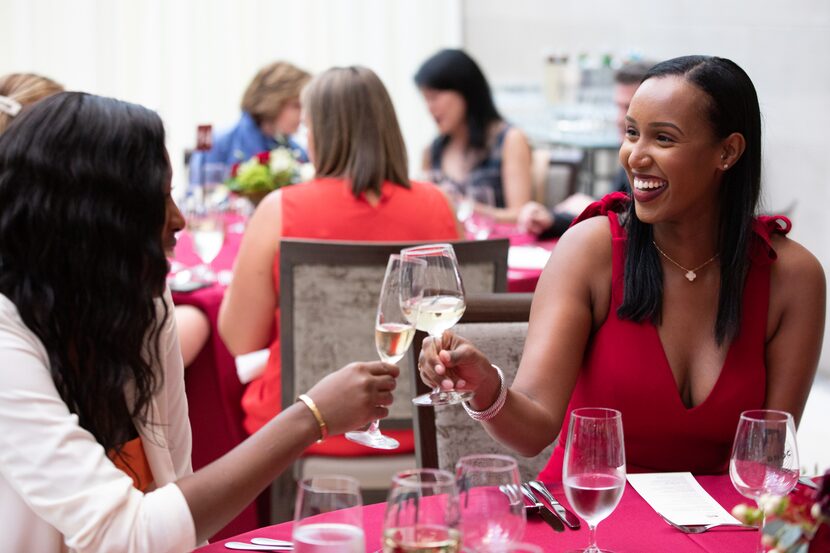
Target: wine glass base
{"points": [[589, 550], [373, 440], [443, 397]]}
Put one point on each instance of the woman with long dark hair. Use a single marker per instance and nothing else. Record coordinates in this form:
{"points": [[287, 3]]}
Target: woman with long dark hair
{"points": [[476, 147], [680, 307], [94, 437]]}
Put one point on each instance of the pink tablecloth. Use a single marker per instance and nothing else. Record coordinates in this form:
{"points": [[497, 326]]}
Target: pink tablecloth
{"points": [[634, 527]]}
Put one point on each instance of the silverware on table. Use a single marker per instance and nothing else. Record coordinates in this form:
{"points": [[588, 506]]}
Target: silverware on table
{"points": [[700, 528], [570, 519], [543, 511], [243, 546], [271, 541]]}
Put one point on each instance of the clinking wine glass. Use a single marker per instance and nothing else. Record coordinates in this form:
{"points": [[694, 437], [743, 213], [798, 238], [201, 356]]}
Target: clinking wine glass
{"points": [[490, 502], [593, 473], [764, 457], [422, 513], [441, 306], [393, 331]]}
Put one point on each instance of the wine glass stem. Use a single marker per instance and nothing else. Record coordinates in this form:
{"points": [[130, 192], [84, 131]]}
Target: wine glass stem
{"points": [[592, 539], [374, 428], [760, 547]]}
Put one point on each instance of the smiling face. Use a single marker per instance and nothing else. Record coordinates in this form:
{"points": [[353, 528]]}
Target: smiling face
{"points": [[670, 152], [447, 107], [288, 120]]}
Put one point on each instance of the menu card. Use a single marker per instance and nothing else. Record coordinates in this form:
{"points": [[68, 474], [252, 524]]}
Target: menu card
{"points": [[678, 497]]}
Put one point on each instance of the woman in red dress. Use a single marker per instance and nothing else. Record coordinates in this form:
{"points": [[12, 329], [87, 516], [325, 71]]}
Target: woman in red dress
{"points": [[361, 192], [679, 307]]}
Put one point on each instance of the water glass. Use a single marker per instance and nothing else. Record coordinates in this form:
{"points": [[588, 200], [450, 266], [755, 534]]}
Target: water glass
{"points": [[328, 517], [482, 204], [764, 457], [490, 502], [593, 473], [422, 513]]}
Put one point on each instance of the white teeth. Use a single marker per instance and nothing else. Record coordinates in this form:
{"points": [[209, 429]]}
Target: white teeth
{"points": [[643, 184]]}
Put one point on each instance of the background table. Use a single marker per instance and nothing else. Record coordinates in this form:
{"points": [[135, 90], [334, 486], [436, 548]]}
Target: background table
{"points": [[633, 527]]}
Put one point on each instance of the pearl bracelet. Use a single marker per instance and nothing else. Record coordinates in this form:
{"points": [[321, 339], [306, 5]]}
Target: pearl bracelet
{"points": [[494, 409]]}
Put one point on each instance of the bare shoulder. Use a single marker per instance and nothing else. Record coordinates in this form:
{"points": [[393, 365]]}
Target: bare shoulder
{"points": [[588, 240], [515, 138], [796, 267]]}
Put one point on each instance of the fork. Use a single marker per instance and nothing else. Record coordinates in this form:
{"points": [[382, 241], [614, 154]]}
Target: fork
{"points": [[700, 528]]}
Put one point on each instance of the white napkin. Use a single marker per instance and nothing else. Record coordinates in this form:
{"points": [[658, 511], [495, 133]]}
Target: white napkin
{"points": [[251, 365], [680, 498], [527, 257]]}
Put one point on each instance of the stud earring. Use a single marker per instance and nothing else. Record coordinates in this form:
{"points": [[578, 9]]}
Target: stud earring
{"points": [[726, 166]]}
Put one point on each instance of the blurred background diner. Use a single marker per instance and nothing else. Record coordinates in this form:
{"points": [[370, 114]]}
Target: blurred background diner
{"points": [[553, 71]]}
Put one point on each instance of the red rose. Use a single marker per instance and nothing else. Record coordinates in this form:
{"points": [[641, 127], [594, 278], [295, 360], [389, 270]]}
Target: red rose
{"points": [[235, 169], [264, 157]]}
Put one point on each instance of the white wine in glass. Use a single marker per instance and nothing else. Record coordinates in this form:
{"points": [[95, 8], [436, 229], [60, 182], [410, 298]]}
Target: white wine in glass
{"points": [[593, 473], [393, 330], [422, 513], [441, 306]]}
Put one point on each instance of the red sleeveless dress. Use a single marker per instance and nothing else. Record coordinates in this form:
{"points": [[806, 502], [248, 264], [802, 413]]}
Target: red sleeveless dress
{"points": [[326, 209], [625, 368]]}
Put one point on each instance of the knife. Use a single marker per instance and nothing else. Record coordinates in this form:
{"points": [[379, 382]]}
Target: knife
{"points": [[564, 514], [543, 511]]}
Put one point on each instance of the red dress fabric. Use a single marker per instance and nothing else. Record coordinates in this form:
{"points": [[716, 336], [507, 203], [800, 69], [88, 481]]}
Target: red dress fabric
{"points": [[326, 209], [625, 368]]}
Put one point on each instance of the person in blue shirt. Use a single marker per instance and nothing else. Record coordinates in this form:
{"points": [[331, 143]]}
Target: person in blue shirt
{"points": [[270, 115]]}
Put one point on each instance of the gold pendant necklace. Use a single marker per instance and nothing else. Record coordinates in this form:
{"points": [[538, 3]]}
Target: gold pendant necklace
{"points": [[691, 274]]}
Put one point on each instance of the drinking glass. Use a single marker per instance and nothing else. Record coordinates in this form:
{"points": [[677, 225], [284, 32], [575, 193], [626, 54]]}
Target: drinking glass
{"points": [[441, 306], [593, 473], [764, 457], [490, 502], [204, 211], [328, 517], [482, 220], [422, 513], [393, 331]]}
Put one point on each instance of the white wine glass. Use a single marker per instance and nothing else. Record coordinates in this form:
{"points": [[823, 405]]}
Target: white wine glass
{"points": [[593, 473], [482, 219], [764, 457], [490, 502], [205, 212], [393, 331], [422, 513], [441, 306], [328, 516]]}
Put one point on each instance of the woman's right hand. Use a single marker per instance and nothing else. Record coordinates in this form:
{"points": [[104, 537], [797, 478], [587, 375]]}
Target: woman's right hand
{"points": [[355, 395], [454, 363]]}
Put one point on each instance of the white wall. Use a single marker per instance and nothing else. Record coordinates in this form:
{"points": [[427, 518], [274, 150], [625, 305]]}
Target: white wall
{"points": [[784, 46], [191, 59]]}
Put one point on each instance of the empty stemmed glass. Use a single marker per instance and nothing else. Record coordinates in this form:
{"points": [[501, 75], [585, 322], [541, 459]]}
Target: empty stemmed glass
{"points": [[422, 513], [441, 306], [490, 502], [593, 473], [393, 331], [764, 456]]}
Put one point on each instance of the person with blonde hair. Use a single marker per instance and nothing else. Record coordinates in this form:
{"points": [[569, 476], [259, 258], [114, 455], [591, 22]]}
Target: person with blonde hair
{"points": [[270, 115], [18, 90], [361, 192]]}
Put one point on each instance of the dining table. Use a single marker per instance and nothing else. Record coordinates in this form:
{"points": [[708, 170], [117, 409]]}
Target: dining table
{"points": [[213, 388], [633, 527]]}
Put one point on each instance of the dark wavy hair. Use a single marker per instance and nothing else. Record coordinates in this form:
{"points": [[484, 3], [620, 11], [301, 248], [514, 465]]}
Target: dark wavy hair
{"points": [[455, 70], [82, 207], [732, 107]]}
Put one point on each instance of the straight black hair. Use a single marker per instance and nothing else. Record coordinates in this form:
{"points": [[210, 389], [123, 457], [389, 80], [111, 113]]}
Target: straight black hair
{"points": [[455, 70], [732, 107], [82, 208]]}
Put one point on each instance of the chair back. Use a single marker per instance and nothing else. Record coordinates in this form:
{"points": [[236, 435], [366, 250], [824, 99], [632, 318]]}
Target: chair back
{"points": [[328, 300], [497, 325]]}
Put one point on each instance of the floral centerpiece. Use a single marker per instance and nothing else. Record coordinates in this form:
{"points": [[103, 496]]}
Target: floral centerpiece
{"points": [[797, 523], [266, 172]]}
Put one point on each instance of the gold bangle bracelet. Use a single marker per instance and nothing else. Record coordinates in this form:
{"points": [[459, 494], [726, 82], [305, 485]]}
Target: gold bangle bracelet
{"points": [[324, 429]]}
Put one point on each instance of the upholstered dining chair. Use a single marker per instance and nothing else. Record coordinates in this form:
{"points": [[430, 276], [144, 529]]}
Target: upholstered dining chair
{"points": [[328, 299], [497, 325]]}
